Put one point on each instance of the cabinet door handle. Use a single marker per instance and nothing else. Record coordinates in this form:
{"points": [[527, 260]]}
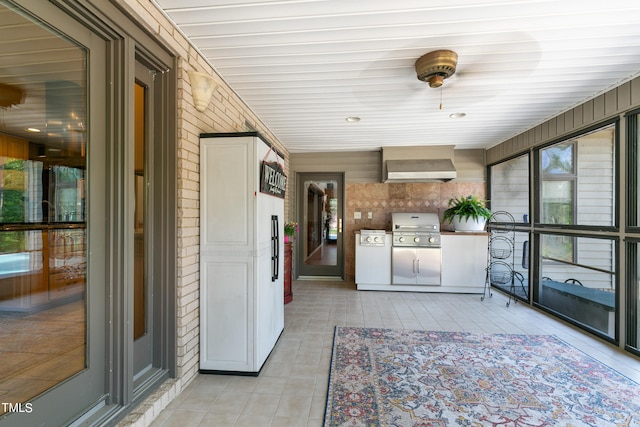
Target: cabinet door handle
{"points": [[275, 247], [418, 266]]}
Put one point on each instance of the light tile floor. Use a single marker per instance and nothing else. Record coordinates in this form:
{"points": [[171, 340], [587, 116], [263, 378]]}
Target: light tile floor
{"points": [[291, 389]]}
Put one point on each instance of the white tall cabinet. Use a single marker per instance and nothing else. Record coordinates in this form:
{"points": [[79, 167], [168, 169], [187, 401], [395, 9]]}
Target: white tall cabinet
{"points": [[241, 255]]}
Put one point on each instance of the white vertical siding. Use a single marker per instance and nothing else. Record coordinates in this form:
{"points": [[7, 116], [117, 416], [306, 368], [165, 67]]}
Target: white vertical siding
{"points": [[595, 179]]}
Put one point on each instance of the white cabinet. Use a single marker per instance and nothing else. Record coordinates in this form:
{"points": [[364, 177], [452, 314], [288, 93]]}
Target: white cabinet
{"points": [[464, 260], [241, 255], [373, 264]]}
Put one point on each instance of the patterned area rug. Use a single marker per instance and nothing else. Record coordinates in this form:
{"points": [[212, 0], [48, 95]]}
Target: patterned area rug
{"points": [[403, 378]]}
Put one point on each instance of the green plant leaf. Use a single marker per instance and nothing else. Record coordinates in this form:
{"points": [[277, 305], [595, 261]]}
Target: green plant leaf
{"points": [[466, 207]]}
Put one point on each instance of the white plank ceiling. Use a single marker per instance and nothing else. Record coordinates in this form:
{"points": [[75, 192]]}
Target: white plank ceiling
{"points": [[304, 66]]}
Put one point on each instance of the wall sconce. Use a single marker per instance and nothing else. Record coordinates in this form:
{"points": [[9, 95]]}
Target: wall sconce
{"points": [[202, 88], [10, 95]]}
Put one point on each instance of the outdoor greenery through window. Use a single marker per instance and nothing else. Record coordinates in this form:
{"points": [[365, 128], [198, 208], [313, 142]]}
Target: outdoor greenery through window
{"points": [[558, 184], [43, 255], [577, 180], [558, 198], [575, 184], [577, 193], [576, 188]]}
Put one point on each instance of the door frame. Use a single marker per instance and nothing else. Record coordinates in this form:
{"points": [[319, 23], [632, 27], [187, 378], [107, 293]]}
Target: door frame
{"points": [[105, 392], [73, 395], [160, 234], [319, 271]]}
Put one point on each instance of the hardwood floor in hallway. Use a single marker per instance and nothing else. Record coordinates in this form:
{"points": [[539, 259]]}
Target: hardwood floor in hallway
{"points": [[40, 349], [291, 389]]}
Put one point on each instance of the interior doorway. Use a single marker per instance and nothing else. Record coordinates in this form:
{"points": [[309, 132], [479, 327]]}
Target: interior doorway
{"points": [[319, 247]]}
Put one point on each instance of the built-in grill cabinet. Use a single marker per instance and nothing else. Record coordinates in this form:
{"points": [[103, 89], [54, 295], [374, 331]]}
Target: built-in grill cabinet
{"points": [[416, 254]]}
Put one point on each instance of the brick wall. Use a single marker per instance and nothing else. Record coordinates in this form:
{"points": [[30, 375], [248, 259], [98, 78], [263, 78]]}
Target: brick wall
{"points": [[225, 113]]}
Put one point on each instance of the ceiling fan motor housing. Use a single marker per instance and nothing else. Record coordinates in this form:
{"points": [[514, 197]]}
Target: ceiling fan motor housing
{"points": [[434, 67]]}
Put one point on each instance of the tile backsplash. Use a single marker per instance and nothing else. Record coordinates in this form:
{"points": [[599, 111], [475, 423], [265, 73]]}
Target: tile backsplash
{"points": [[384, 199]]}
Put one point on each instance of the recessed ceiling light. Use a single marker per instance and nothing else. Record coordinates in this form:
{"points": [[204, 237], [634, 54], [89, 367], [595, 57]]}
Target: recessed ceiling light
{"points": [[457, 115], [353, 119], [33, 130]]}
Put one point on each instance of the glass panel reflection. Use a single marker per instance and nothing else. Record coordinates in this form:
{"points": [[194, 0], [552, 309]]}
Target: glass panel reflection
{"points": [[321, 223], [584, 290], [510, 188], [43, 256], [139, 246], [578, 181]]}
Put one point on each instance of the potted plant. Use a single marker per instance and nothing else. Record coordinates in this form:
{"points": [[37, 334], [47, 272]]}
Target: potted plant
{"points": [[467, 213], [290, 230]]}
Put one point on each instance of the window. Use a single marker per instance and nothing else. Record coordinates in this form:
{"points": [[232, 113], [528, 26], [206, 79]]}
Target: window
{"points": [[558, 201], [558, 184], [577, 269], [577, 180], [577, 187], [584, 290], [510, 187], [633, 239], [633, 162], [633, 295]]}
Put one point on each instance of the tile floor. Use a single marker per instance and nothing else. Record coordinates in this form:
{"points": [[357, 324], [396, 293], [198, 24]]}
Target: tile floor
{"points": [[291, 390]]}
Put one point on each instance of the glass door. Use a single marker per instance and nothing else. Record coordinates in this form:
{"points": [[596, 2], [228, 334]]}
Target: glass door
{"points": [[319, 246], [52, 228], [142, 245]]}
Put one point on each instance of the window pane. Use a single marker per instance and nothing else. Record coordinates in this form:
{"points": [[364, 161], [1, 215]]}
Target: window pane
{"points": [[557, 202], [510, 188], [578, 182], [558, 159], [557, 248], [596, 179], [583, 290], [42, 212], [637, 163]]}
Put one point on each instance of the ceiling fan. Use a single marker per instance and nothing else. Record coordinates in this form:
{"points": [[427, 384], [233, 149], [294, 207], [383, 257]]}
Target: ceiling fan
{"points": [[434, 67]]}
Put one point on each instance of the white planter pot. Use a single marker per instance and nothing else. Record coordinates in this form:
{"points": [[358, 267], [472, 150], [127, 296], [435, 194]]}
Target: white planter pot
{"points": [[463, 225]]}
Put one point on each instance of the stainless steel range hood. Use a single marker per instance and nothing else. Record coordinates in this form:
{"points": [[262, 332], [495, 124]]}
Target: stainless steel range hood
{"points": [[420, 170], [432, 163]]}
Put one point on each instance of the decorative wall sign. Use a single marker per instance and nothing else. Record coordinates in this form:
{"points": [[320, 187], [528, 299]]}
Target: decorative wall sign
{"points": [[273, 180]]}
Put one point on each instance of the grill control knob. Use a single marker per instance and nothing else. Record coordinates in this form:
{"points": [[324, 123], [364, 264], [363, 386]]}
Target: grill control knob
{"points": [[416, 239], [376, 239], [401, 239], [432, 239], [368, 239]]}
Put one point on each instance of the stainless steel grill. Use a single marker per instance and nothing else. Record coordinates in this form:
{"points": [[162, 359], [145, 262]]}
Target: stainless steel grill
{"points": [[416, 230], [416, 254]]}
